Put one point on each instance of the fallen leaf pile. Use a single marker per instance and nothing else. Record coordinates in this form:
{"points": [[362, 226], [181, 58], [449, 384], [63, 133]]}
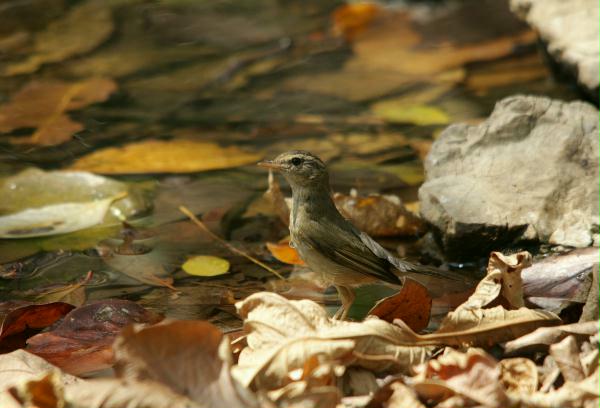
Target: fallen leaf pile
{"points": [[292, 353]]}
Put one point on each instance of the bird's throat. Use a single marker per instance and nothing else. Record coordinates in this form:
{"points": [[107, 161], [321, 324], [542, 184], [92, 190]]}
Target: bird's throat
{"points": [[310, 202]]}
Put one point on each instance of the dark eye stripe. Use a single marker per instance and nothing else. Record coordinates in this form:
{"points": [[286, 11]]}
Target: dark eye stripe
{"points": [[296, 161]]}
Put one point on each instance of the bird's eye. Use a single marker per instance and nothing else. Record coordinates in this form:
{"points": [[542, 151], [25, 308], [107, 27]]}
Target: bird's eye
{"points": [[296, 161]]}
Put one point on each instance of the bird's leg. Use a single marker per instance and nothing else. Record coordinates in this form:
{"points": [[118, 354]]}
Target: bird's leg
{"points": [[347, 297]]}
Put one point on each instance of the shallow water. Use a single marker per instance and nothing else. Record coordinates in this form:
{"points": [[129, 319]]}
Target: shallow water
{"points": [[264, 76]]}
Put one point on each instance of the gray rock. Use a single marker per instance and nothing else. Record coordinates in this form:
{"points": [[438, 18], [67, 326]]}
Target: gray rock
{"points": [[570, 30], [529, 172]]}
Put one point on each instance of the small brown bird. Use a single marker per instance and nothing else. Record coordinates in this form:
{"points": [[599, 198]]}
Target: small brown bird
{"points": [[329, 244]]}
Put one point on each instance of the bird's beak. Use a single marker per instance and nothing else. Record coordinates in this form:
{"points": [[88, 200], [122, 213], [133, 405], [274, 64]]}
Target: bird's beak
{"points": [[269, 164]]}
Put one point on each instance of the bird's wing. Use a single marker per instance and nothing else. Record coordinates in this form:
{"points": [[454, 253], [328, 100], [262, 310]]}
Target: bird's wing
{"points": [[348, 250]]}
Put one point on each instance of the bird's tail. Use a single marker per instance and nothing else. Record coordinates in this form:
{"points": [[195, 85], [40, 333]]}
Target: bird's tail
{"points": [[437, 281]]}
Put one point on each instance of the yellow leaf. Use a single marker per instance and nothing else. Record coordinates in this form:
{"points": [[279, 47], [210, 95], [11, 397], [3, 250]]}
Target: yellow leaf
{"points": [[206, 265], [156, 156], [392, 111]]}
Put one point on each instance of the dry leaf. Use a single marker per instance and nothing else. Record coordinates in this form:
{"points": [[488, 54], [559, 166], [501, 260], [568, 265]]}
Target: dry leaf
{"points": [[412, 305], [156, 156], [543, 337], [190, 357], [283, 334], [519, 375], [474, 374], [403, 397], [63, 38], [19, 315], [206, 265], [43, 105], [283, 252], [73, 294], [566, 355]]}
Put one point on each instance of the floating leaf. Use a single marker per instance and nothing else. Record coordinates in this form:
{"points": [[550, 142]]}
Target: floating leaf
{"points": [[421, 115], [63, 38], [39, 203], [43, 105], [283, 252], [73, 294], [155, 156], [206, 265], [54, 219]]}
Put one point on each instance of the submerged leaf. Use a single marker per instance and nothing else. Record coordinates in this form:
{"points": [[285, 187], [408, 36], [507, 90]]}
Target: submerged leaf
{"points": [[155, 156], [63, 38], [19, 315], [421, 115], [81, 342], [206, 265], [43, 105]]}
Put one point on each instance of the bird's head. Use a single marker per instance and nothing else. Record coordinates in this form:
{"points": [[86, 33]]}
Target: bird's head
{"points": [[300, 168]]}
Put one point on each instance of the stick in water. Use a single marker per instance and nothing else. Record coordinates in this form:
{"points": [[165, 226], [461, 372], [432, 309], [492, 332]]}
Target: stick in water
{"points": [[226, 244]]}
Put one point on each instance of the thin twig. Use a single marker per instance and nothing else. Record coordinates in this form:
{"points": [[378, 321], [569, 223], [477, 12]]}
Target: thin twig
{"points": [[226, 244]]}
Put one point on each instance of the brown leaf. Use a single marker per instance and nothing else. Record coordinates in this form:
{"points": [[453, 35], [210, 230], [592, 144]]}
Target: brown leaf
{"points": [[379, 215], [81, 342], [412, 305], [187, 356], [403, 397], [540, 339], [566, 355], [63, 38], [474, 374], [20, 315], [43, 105]]}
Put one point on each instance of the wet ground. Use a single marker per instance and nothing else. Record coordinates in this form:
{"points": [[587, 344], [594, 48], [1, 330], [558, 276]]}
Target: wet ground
{"points": [[367, 88]]}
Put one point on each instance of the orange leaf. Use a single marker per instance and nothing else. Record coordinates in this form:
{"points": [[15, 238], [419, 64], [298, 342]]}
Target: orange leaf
{"points": [[412, 305], [283, 252], [351, 19]]}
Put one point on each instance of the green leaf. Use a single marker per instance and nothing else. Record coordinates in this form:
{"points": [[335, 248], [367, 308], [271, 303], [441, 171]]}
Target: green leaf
{"points": [[206, 265]]}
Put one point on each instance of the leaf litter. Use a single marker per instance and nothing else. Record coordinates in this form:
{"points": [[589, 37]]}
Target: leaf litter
{"points": [[293, 352]]}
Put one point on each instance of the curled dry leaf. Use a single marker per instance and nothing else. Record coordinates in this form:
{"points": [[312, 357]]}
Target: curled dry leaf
{"points": [[473, 374], [566, 355], [63, 38], [519, 375], [351, 19], [412, 305], [192, 358], [561, 277], [19, 315], [81, 342], [284, 334], [543, 337], [43, 105], [157, 156]]}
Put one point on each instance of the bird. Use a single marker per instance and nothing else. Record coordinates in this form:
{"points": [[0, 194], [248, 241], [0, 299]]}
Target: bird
{"points": [[332, 246]]}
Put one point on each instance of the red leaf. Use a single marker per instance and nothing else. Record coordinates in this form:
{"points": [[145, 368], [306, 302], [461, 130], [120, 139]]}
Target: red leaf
{"points": [[82, 341]]}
